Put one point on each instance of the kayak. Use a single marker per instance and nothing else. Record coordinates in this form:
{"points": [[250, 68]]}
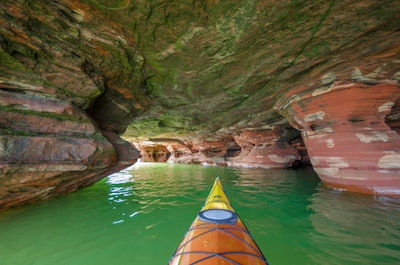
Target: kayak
{"points": [[217, 236]]}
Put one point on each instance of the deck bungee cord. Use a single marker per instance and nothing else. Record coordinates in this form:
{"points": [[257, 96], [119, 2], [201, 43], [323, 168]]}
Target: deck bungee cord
{"points": [[218, 236]]}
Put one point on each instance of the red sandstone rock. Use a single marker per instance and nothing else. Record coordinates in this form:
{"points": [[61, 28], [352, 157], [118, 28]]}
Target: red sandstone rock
{"points": [[343, 127], [153, 152], [209, 152], [182, 68], [180, 152], [202, 152], [34, 168], [49, 147], [249, 149], [126, 153], [262, 149]]}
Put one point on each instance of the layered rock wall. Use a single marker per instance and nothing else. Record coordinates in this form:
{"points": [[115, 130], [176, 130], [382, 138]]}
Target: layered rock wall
{"points": [[47, 147], [261, 148], [344, 129], [55, 72], [77, 75]]}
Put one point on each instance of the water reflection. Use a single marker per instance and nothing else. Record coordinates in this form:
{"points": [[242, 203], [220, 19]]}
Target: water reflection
{"points": [[286, 209], [160, 187], [147, 208], [276, 206], [354, 228], [121, 186], [166, 185]]}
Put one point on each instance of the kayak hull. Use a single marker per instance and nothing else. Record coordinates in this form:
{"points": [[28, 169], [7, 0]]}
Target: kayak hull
{"points": [[217, 236]]}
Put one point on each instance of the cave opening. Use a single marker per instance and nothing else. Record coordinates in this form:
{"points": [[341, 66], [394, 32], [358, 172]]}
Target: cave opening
{"points": [[299, 145], [232, 149]]}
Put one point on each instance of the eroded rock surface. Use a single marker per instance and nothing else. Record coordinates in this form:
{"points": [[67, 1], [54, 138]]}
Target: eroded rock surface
{"points": [[344, 130], [200, 80], [263, 149], [47, 147], [59, 62]]}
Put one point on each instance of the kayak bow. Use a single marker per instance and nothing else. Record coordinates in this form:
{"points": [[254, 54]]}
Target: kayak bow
{"points": [[217, 236]]}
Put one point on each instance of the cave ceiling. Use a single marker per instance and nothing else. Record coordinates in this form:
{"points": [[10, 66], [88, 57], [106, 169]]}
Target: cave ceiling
{"points": [[205, 69]]}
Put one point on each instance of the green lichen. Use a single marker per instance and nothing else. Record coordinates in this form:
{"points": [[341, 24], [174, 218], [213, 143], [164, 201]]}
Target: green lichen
{"points": [[51, 115], [165, 124], [10, 63], [317, 49], [121, 58], [12, 132], [7, 131], [110, 5]]}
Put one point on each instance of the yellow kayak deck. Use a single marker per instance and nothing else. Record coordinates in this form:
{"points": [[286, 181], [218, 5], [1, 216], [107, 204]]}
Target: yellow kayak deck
{"points": [[217, 236]]}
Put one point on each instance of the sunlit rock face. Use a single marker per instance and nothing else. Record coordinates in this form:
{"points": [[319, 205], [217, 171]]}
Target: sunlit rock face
{"points": [[343, 127], [200, 78], [176, 151], [262, 149], [153, 152]]}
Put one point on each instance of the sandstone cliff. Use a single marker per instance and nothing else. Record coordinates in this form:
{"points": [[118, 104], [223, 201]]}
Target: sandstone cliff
{"points": [[245, 83]]}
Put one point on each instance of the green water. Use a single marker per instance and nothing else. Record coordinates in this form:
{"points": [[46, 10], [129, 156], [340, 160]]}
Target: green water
{"points": [[140, 215]]}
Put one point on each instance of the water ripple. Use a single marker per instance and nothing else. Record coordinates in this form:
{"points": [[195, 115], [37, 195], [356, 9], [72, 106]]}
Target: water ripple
{"points": [[147, 208]]}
